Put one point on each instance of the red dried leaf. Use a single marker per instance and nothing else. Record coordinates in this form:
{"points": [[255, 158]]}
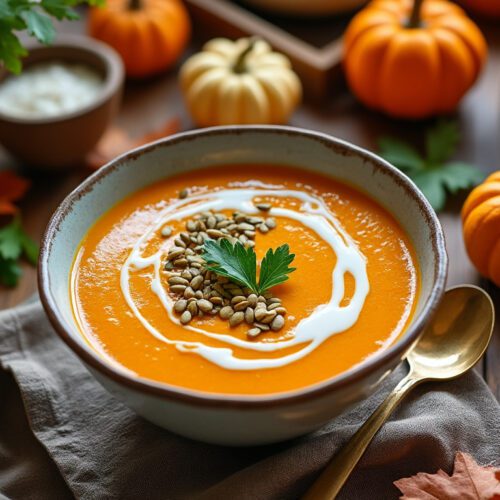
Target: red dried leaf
{"points": [[7, 208], [12, 188], [116, 141], [469, 481]]}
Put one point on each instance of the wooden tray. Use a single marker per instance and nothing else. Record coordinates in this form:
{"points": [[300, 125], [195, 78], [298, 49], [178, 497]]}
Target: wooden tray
{"points": [[313, 45]]}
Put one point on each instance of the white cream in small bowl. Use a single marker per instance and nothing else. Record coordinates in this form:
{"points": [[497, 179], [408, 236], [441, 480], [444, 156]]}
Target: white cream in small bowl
{"points": [[57, 109], [50, 89]]}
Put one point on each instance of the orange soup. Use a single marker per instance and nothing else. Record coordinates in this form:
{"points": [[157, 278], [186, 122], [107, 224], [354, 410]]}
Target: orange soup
{"points": [[154, 287]]}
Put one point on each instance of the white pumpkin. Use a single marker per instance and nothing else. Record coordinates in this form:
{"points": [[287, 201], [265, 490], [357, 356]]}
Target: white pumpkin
{"points": [[239, 82]]}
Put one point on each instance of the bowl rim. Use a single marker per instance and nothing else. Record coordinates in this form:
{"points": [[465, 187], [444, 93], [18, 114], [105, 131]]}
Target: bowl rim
{"points": [[237, 401], [115, 76]]}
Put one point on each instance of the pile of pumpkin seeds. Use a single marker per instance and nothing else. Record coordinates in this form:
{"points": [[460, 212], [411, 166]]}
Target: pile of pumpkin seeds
{"points": [[198, 291]]}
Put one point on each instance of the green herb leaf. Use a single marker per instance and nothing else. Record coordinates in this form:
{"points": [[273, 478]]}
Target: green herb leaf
{"points": [[6, 11], [60, 9], [397, 152], [10, 242], [232, 261], [14, 243], [10, 272], [441, 141], [429, 183], [457, 176], [275, 267], [435, 178], [39, 25], [35, 17], [30, 249], [239, 264], [11, 49]]}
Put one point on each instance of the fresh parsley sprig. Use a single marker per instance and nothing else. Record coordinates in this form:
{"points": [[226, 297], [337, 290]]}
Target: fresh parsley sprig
{"points": [[36, 18], [433, 173], [14, 244], [239, 264], [275, 267]]}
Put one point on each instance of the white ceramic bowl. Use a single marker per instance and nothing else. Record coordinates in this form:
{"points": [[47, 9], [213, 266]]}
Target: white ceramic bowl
{"points": [[240, 420]]}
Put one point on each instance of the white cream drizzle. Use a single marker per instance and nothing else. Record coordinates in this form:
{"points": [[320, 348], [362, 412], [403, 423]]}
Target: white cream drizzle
{"points": [[325, 321]]}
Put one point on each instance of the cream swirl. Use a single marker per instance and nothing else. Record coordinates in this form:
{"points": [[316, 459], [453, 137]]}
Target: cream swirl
{"points": [[326, 320]]}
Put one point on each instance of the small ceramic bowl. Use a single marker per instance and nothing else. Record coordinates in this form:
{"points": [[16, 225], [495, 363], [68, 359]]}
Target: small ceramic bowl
{"points": [[240, 419], [58, 142]]}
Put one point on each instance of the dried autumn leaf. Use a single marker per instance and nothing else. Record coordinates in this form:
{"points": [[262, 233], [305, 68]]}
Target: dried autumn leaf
{"points": [[12, 188], [116, 141], [469, 481]]}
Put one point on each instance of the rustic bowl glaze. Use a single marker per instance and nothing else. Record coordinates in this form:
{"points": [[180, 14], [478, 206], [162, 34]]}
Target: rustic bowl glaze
{"points": [[58, 142], [240, 420]]}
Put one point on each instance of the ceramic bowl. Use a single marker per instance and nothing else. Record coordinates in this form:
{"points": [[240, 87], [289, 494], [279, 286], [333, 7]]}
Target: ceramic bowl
{"points": [[225, 419], [58, 142]]}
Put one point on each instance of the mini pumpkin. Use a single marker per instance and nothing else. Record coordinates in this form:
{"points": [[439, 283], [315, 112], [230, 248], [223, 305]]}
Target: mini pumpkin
{"points": [[412, 59], [239, 82], [481, 227], [149, 35]]}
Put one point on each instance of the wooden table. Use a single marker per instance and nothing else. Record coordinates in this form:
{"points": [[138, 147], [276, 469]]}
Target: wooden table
{"points": [[148, 104]]}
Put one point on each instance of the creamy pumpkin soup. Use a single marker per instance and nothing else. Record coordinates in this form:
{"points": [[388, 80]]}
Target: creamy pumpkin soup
{"points": [[244, 280]]}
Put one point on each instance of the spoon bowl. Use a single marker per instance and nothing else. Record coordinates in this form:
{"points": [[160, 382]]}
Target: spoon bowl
{"points": [[456, 337], [451, 344]]}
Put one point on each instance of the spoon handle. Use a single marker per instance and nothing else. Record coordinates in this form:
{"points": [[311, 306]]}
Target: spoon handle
{"points": [[331, 480]]}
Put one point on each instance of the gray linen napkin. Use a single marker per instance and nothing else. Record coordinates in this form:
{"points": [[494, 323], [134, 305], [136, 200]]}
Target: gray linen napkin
{"points": [[63, 435]]}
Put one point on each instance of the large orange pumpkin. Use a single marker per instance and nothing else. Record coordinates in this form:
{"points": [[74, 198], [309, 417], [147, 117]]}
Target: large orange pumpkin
{"points": [[481, 226], [412, 59], [485, 7], [149, 35]]}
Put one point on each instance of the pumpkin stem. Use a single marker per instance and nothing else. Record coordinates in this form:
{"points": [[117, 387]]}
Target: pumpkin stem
{"points": [[415, 17], [239, 65], [135, 4]]}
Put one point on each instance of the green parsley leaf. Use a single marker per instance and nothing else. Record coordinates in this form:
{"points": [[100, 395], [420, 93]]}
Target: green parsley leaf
{"points": [[14, 243], [404, 156], [274, 267], [35, 18], [30, 249], [39, 25], [10, 272], [11, 49], [59, 9], [239, 264], [432, 174], [441, 141], [5, 10], [235, 262], [457, 176], [429, 183], [10, 243]]}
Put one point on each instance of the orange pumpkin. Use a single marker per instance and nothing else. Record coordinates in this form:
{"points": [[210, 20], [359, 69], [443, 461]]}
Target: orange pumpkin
{"points": [[481, 227], [485, 7], [149, 35], [412, 59]]}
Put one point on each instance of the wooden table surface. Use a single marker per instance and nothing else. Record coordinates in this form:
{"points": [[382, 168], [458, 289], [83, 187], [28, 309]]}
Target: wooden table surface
{"points": [[149, 104]]}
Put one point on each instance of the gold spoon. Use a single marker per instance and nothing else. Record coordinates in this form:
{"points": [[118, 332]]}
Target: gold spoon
{"points": [[452, 343]]}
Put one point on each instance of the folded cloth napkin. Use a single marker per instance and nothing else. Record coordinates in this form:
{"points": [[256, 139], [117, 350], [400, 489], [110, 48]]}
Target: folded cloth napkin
{"points": [[62, 435]]}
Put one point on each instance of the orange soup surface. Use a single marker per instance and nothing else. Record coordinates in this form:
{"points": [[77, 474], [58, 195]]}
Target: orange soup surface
{"points": [[364, 290]]}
